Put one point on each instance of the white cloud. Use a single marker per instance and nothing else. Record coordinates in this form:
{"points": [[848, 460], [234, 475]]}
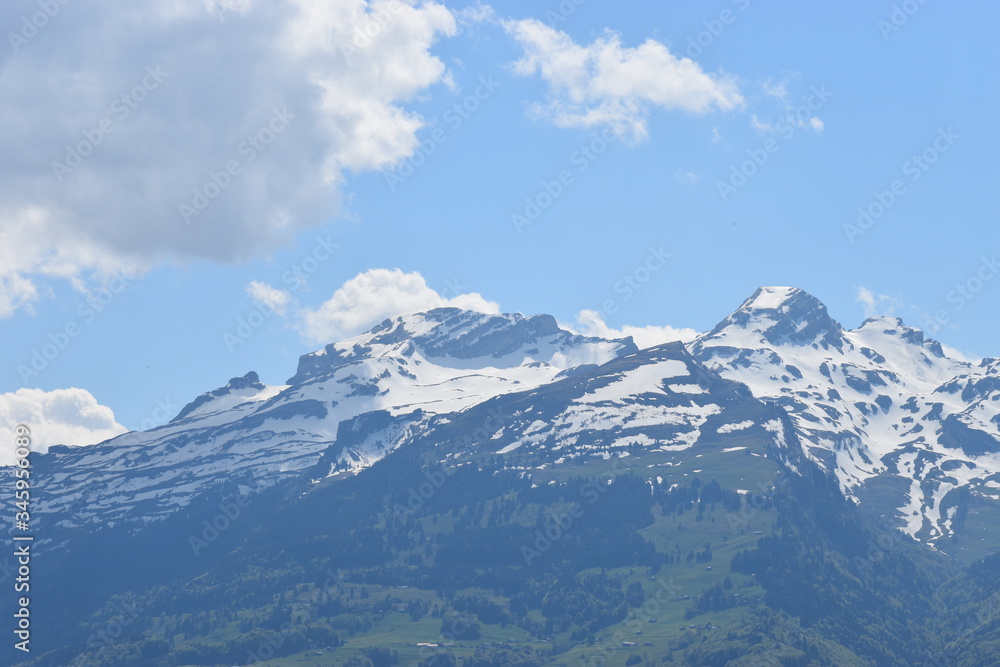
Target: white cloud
{"points": [[605, 84], [867, 299], [269, 297], [60, 417], [777, 90], [788, 117], [16, 291], [372, 296], [477, 13], [591, 323], [162, 95], [956, 353], [877, 304]]}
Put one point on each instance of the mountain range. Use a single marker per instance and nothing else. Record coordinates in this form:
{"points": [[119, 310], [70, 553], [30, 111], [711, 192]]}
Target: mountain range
{"points": [[449, 463], [909, 432]]}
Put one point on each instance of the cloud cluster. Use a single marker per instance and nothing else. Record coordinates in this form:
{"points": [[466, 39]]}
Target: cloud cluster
{"points": [[363, 301], [787, 117], [177, 129], [372, 296], [60, 417], [876, 305], [605, 84], [591, 323], [173, 130], [270, 297]]}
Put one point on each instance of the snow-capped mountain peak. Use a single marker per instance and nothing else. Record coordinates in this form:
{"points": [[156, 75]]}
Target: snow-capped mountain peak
{"points": [[777, 315], [455, 337], [237, 391], [880, 406]]}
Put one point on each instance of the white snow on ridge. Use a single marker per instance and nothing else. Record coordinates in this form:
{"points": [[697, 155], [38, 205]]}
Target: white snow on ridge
{"points": [[637, 381], [235, 398], [771, 298]]}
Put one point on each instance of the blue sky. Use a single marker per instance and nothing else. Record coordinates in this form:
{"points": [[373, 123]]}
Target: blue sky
{"points": [[748, 169]]}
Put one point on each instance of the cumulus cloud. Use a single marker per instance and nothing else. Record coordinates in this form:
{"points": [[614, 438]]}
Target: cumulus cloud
{"points": [[605, 84], [269, 297], [372, 296], [172, 130], [877, 304], [591, 323], [60, 417]]}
